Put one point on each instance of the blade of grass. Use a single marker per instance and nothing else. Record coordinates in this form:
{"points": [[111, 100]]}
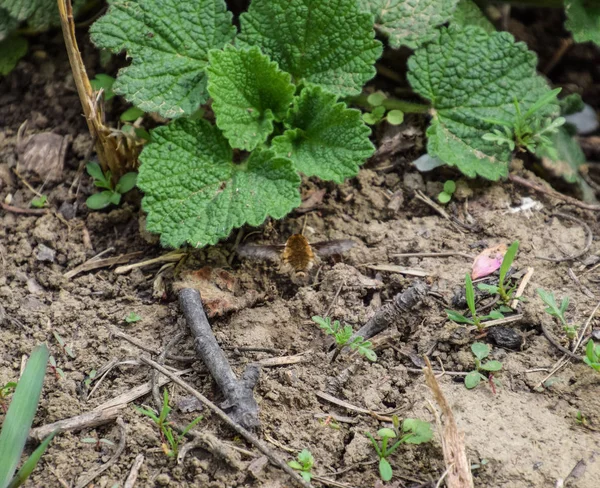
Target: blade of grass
{"points": [[470, 295], [31, 463], [21, 412], [508, 260]]}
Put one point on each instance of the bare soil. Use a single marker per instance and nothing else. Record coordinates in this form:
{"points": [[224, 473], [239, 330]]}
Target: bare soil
{"points": [[524, 435]]}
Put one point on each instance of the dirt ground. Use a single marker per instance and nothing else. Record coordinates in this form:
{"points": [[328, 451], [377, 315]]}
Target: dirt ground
{"points": [[525, 434]]}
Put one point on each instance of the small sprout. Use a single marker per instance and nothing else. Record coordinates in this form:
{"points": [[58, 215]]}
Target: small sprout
{"points": [[131, 114], [580, 418], [58, 373], [376, 99], [111, 194], [90, 377], [63, 346], [5, 391], [470, 296], [97, 442], [170, 440], [395, 117], [416, 432], [304, 464], [132, 318], [481, 351], [342, 336], [446, 195], [330, 422], [558, 312], [592, 355], [39, 202], [502, 287], [374, 116]]}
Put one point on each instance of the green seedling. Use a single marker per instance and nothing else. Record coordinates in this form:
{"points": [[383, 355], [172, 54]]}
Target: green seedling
{"points": [[58, 373], [415, 432], [304, 463], [18, 420], [5, 391], [343, 337], [67, 351], [481, 351], [592, 355], [105, 83], [378, 101], [528, 131], [112, 194], [581, 419], [89, 378], [132, 318], [330, 422], [170, 440], [449, 189], [558, 311], [470, 296], [503, 288], [39, 202], [98, 442]]}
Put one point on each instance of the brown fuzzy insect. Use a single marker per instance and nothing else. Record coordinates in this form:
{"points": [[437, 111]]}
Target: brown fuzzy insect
{"points": [[297, 255]]}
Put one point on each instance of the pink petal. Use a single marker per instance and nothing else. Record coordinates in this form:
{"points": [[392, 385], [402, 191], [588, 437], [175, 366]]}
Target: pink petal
{"points": [[488, 261]]}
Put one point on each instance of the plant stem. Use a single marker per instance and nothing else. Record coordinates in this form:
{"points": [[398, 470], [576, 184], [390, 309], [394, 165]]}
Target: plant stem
{"points": [[392, 104]]}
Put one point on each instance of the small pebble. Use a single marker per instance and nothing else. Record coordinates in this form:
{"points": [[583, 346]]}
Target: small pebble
{"points": [[44, 253], [506, 337]]}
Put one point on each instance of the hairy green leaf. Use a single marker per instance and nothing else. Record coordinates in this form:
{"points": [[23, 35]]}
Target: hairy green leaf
{"points": [[385, 469], [325, 138], [409, 22], [249, 92], [583, 20], [473, 379], [421, 431], [492, 366], [468, 13], [471, 76], [330, 44], [11, 50], [169, 41], [194, 192], [480, 350], [7, 24], [39, 14]]}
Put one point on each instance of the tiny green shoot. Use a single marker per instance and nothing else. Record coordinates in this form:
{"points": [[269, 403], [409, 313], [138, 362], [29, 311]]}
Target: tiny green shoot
{"points": [[132, 318], [470, 296], [89, 378], [304, 463], [580, 418], [446, 195], [592, 355], [417, 432], [343, 336], [39, 202], [5, 391], [97, 442], [170, 440], [58, 373], [67, 351], [481, 351], [558, 311], [111, 194], [378, 111], [502, 288]]}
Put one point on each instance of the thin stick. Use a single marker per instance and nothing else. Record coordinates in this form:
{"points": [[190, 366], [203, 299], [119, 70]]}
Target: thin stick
{"points": [[88, 478], [24, 211], [96, 263], [425, 199], [588, 240], [337, 294], [133, 473], [432, 255], [553, 193], [585, 290], [171, 257], [585, 328], [556, 344], [521, 289], [285, 360], [236, 427], [156, 376], [505, 320], [385, 416]]}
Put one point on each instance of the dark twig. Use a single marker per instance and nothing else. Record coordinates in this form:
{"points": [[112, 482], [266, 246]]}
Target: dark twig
{"points": [[156, 375], [225, 418], [24, 211], [588, 239], [239, 398], [556, 344], [392, 312]]}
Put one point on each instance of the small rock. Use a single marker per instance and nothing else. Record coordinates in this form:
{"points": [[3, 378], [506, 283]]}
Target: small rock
{"points": [[585, 121], [67, 210], [43, 155], [189, 404], [163, 479], [506, 337], [44, 253], [6, 178], [414, 182], [33, 287]]}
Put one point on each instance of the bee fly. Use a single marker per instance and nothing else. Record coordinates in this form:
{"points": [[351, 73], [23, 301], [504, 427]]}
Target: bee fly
{"points": [[297, 256]]}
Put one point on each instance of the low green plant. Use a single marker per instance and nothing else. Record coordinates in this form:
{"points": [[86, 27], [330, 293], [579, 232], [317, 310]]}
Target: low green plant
{"points": [[592, 355], [343, 336], [39, 202], [446, 195], [98, 442], [378, 108], [5, 391], [64, 347], [482, 351], [170, 440], [581, 419], [18, 420], [304, 463], [132, 318], [558, 311], [413, 431], [503, 288], [89, 378], [112, 193], [58, 372]]}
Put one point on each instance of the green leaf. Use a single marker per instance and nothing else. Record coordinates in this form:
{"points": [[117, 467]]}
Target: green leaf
{"points": [[39, 14], [395, 117], [374, 116], [101, 200], [470, 294], [11, 50], [331, 44], [458, 317], [376, 99], [409, 22], [31, 463], [368, 353], [7, 24], [306, 476], [508, 259], [444, 197], [132, 318], [295, 465], [131, 114], [450, 187], [468, 13], [385, 470], [583, 20], [491, 366], [564, 157], [105, 82], [126, 182], [169, 41], [95, 171], [324, 138], [420, 429], [194, 192], [480, 350], [386, 432], [564, 305], [306, 459], [472, 379], [39, 202], [492, 289], [471, 76], [21, 412], [571, 104], [249, 92]]}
